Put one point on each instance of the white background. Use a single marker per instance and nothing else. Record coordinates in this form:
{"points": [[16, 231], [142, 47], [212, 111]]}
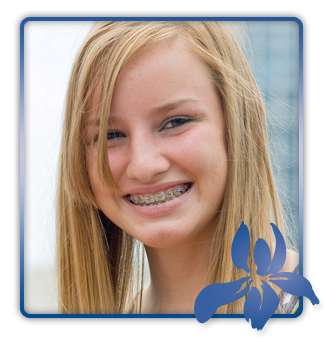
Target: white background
{"points": [[14, 325], [49, 50]]}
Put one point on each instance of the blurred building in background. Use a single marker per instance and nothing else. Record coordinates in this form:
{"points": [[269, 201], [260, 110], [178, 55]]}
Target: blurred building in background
{"points": [[274, 58]]}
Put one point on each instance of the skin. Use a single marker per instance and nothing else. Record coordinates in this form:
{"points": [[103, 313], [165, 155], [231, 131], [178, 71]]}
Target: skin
{"points": [[162, 84]]}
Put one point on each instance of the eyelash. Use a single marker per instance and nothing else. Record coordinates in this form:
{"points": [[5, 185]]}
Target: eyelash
{"points": [[183, 120], [114, 133]]}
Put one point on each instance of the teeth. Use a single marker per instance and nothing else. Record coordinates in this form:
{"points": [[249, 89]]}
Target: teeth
{"points": [[149, 199], [159, 197], [169, 193], [177, 191]]}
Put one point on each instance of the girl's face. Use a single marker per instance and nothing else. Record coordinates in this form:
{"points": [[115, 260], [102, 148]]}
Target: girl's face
{"points": [[166, 148]]}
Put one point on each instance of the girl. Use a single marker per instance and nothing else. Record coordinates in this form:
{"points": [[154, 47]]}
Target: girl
{"points": [[164, 147]]}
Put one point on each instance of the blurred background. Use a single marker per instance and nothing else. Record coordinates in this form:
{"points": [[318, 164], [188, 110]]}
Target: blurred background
{"points": [[274, 59], [49, 51]]}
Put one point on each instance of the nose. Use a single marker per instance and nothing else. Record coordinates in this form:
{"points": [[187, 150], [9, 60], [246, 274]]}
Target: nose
{"points": [[146, 160]]}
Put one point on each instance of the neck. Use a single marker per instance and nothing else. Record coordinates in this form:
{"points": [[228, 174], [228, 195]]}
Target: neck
{"points": [[177, 277]]}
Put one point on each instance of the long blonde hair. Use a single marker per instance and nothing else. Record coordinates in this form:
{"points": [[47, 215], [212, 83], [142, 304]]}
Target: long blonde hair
{"points": [[100, 267]]}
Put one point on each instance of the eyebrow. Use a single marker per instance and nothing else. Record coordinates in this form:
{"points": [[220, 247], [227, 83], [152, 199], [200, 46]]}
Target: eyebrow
{"points": [[157, 110], [172, 105]]}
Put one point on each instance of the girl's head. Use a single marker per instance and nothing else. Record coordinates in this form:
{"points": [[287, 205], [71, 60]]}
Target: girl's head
{"points": [[166, 130], [183, 114]]}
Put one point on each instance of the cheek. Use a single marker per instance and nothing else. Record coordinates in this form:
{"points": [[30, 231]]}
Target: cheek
{"points": [[97, 186], [104, 196], [202, 152], [118, 163]]}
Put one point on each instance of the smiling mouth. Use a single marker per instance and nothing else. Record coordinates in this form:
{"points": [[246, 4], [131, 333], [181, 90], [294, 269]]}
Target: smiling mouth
{"points": [[159, 197]]}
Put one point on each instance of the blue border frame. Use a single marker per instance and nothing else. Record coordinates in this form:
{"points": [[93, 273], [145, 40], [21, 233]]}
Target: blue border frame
{"points": [[22, 160]]}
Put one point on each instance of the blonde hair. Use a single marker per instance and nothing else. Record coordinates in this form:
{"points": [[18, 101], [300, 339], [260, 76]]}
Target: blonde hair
{"points": [[98, 263]]}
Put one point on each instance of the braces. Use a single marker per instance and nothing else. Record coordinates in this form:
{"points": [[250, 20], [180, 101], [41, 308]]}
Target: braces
{"points": [[177, 192]]}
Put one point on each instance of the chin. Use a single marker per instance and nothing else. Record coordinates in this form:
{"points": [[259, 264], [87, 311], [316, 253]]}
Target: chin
{"points": [[172, 237]]}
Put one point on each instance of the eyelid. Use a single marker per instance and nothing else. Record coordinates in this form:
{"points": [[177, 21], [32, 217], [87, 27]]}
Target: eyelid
{"points": [[96, 138], [184, 117], [115, 132]]}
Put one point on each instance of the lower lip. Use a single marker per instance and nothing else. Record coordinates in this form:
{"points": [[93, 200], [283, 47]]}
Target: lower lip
{"points": [[160, 209]]}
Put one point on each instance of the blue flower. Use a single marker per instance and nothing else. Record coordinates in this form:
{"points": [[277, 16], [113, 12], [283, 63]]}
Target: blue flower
{"points": [[255, 307]]}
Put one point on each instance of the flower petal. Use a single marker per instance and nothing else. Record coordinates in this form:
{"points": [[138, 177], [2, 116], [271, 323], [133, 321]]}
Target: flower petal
{"points": [[252, 305], [262, 257], [215, 295], [279, 256], [260, 310], [240, 248], [295, 284]]}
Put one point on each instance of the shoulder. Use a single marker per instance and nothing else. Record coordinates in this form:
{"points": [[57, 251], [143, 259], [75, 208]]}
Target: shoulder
{"points": [[289, 304], [292, 261]]}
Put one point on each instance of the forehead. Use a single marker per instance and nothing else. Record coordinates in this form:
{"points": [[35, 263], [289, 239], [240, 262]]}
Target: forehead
{"points": [[165, 73]]}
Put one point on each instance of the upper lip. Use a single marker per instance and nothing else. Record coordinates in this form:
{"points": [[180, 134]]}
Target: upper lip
{"points": [[153, 189]]}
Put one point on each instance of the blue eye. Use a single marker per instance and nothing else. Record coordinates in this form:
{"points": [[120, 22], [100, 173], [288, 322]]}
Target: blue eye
{"points": [[177, 122]]}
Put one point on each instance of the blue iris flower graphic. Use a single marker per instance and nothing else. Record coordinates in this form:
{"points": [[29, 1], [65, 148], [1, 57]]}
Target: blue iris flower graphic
{"points": [[258, 308]]}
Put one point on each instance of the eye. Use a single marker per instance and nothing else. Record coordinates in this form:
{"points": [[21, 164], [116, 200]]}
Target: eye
{"points": [[111, 135], [177, 122], [114, 135]]}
